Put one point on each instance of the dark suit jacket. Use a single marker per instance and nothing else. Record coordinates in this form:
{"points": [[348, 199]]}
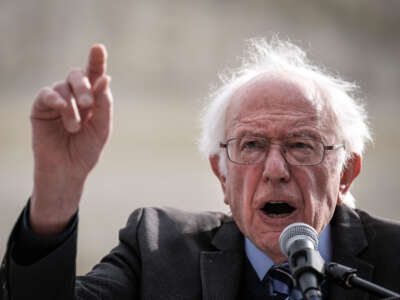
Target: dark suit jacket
{"points": [[170, 254]]}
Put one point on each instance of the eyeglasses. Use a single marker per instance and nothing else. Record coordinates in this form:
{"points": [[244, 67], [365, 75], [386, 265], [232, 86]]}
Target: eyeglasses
{"points": [[297, 151]]}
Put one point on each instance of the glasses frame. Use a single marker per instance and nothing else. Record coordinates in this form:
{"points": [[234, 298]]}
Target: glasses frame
{"points": [[325, 148]]}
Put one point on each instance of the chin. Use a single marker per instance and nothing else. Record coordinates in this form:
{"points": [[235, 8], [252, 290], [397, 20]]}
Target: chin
{"points": [[268, 242]]}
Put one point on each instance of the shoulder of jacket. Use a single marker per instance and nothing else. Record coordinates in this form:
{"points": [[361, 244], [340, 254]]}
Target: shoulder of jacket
{"points": [[381, 229], [170, 217]]}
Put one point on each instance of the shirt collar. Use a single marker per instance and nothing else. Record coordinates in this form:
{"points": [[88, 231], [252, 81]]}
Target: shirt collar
{"points": [[262, 263]]}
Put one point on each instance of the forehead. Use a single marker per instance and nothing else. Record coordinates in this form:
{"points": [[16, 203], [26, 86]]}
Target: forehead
{"points": [[281, 103]]}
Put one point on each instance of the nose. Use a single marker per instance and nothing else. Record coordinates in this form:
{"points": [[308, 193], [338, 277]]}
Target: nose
{"points": [[276, 169]]}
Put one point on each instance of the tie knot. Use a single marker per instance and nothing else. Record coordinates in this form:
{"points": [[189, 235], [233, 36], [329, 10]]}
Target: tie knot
{"points": [[282, 274], [279, 281]]}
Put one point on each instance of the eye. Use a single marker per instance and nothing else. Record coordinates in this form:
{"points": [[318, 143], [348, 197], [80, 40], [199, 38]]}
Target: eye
{"points": [[300, 144], [250, 144]]}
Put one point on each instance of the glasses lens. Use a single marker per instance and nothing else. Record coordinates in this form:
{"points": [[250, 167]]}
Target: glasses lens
{"points": [[302, 151], [247, 150]]}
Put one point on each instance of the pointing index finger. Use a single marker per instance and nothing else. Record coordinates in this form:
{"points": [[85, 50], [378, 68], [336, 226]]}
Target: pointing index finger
{"points": [[97, 63]]}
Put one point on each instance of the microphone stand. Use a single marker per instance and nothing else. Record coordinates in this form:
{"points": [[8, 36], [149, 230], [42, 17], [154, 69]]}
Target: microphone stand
{"points": [[297, 242], [309, 269], [347, 278]]}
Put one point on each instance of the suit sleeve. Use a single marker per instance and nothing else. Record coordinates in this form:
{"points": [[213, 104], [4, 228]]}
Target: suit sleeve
{"points": [[52, 276]]}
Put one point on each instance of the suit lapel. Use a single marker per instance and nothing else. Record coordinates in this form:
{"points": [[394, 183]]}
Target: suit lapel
{"points": [[349, 240], [221, 270]]}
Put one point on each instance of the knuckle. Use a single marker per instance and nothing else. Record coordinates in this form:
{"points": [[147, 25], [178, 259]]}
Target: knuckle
{"points": [[52, 96], [78, 81], [76, 71], [62, 88], [59, 84], [81, 88], [74, 75], [44, 92]]}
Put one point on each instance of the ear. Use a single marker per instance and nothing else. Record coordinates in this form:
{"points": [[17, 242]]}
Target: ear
{"points": [[349, 173], [214, 162]]}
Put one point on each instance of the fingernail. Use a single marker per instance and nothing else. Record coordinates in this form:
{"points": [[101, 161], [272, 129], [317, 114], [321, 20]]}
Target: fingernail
{"points": [[73, 126], [85, 100]]}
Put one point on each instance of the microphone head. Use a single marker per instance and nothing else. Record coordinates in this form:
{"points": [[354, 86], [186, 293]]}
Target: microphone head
{"points": [[297, 231]]}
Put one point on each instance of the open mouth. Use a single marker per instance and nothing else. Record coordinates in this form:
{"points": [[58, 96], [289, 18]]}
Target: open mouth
{"points": [[277, 209]]}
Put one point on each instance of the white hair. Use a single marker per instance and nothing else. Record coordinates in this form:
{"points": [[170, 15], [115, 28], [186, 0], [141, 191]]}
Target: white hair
{"points": [[274, 57]]}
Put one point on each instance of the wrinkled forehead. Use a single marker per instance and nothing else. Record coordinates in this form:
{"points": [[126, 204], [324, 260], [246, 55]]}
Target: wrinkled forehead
{"points": [[279, 94]]}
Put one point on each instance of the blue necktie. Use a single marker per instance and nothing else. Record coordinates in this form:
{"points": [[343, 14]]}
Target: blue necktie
{"points": [[280, 283]]}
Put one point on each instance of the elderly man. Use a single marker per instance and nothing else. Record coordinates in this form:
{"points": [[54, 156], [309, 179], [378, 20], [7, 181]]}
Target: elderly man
{"points": [[285, 141]]}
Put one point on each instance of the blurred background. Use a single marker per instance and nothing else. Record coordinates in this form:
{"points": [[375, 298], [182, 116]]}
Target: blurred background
{"points": [[164, 57]]}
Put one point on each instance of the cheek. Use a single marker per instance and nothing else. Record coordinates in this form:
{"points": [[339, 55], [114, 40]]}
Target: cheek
{"points": [[320, 193], [320, 185], [251, 182], [329, 183], [242, 183]]}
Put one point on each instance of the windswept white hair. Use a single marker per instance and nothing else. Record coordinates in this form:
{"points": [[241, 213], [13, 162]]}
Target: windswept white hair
{"points": [[276, 57]]}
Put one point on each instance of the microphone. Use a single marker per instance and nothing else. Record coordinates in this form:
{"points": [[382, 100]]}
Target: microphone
{"points": [[299, 243]]}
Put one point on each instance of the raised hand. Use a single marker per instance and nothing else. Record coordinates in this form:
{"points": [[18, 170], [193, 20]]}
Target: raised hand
{"points": [[71, 123]]}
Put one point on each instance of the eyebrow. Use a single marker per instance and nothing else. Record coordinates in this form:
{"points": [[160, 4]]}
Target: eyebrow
{"points": [[305, 133]]}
